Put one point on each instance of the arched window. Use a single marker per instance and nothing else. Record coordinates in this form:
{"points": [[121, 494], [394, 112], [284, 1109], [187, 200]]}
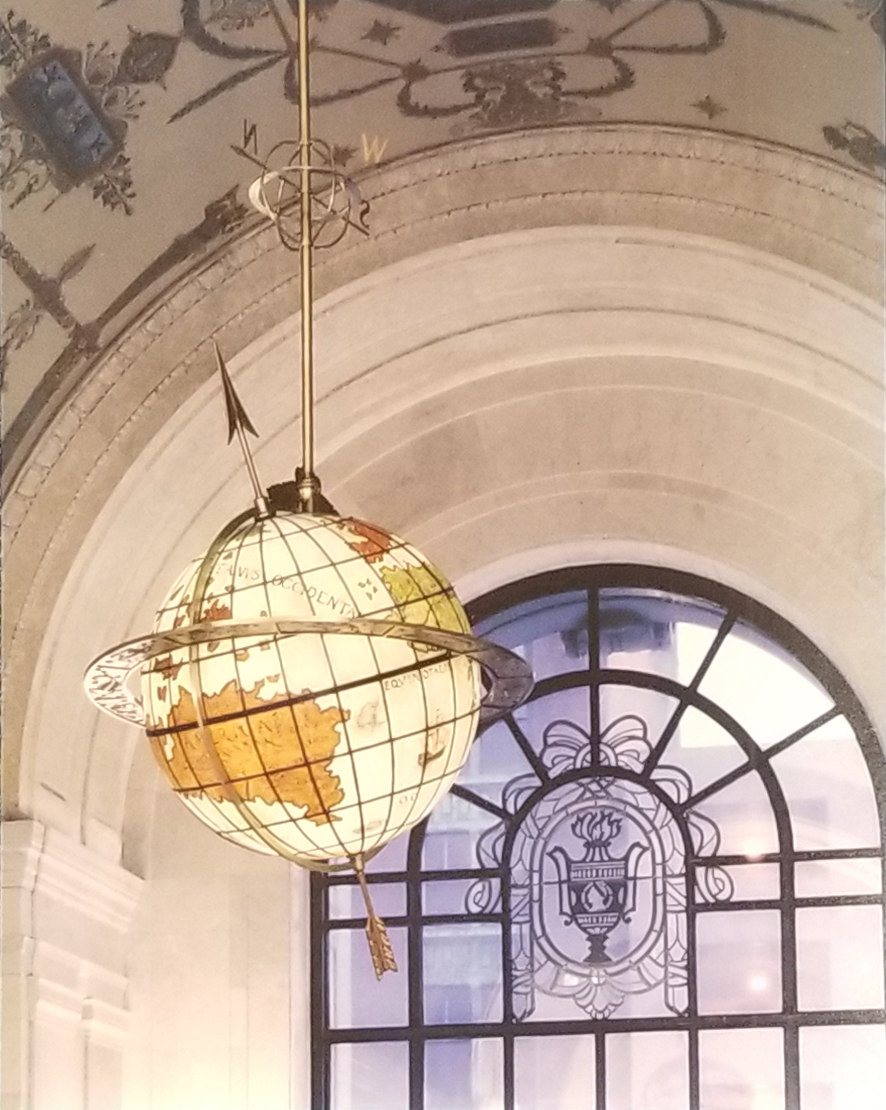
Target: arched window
{"points": [[658, 885]]}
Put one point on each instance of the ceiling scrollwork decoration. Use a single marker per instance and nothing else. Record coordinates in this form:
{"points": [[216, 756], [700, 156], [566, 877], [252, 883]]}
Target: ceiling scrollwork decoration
{"points": [[108, 101], [523, 91], [68, 111]]}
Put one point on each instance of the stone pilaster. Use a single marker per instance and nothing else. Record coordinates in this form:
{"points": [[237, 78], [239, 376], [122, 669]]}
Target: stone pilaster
{"points": [[66, 914]]}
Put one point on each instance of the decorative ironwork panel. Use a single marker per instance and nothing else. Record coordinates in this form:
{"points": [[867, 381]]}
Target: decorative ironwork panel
{"points": [[597, 873]]}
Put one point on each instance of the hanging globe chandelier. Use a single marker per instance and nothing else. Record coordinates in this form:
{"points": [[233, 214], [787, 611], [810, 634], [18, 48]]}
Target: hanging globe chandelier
{"points": [[310, 687]]}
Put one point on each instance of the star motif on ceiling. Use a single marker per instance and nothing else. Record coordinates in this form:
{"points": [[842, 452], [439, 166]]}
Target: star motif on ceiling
{"points": [[341, 155], [320, 9], [382, 32], [415, 71], [599, 48], [709, 107]]}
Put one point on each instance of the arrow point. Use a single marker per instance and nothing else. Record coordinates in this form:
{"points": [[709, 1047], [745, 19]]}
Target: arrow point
{"points": [[237, 417]]}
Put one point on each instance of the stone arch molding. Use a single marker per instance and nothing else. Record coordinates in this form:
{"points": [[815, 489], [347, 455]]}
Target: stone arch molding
{"points": [[599, 389], [488, 386]]}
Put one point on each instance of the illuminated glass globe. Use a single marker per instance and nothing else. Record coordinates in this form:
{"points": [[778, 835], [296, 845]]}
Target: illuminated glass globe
{"points": [[318, 746]]}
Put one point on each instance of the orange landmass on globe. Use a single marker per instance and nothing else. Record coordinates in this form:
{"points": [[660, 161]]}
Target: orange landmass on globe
{"points": [[374, 543], [280, 753], [165, 666], [216, 611]]}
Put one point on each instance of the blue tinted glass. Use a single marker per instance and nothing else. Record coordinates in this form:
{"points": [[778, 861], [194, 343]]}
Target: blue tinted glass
{"points": [[392, 857], [370, 1076], [461, 896], [356, 997], [464, 1075], [454, 829], [494, 761], [549, 632], [462, 973], [656, 632], [346, 900]]}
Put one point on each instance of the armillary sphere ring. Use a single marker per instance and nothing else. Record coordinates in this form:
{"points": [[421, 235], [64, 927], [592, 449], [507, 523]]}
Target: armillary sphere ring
{"points": [[507, 678], [336, 203]]}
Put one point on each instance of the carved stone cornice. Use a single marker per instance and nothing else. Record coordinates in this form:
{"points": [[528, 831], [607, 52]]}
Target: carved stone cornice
{"points": [[44, 863]]}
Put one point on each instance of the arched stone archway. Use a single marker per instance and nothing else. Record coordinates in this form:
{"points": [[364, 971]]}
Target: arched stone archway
{"points": [[682, 356]]}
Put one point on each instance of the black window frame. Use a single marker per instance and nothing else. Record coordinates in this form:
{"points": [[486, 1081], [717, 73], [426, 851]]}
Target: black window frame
{"points": [[592, 579]]}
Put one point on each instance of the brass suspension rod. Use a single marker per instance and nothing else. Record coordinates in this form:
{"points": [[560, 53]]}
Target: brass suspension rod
{"points": [[308, 484]]}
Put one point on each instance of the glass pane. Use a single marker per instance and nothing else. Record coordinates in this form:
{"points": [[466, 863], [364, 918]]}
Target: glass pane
{"points": [[494, 761], [551, 632], [597, 896], [743, 815], [453, 830], [464, 1075], [742, 1069], [370, 1076], [704, 749], [632, 637], [554, 1073], [655, 632], [566, 705], [762, 687], [462, 973], [622, 705], [694, 641], [813, 878], [461, 896], [747, 881], [392, 857], [842, 1067], [829, 790], [589, 994], [346, 900], [647, 1071], [739, 962], [840, 958], [356, 997]]}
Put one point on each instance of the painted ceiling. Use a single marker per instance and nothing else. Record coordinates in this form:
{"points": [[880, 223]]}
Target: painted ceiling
{"points": [[120, 119]]}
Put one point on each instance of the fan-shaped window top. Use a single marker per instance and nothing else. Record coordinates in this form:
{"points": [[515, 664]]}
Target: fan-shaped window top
{"points": [[658, 885]]}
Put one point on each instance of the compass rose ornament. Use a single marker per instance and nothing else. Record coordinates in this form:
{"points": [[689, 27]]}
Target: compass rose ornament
{"points": [[310, 687]]}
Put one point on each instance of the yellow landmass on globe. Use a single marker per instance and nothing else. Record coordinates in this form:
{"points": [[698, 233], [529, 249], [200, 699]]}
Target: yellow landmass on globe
{"points": [[421, 599], [277, 754]]}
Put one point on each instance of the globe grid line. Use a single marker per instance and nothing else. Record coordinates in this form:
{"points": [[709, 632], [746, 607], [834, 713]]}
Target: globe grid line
{"points": [[408, 819], [343, 713], [291, 709]]}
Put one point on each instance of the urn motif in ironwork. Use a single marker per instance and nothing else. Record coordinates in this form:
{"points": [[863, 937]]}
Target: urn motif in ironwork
{"points": [[597, 892]]}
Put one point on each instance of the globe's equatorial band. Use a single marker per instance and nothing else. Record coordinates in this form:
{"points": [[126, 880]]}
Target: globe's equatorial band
{"points": [[240, 750], [507, 677]]}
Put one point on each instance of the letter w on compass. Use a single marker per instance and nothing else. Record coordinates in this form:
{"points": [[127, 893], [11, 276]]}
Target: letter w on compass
{"points": [[598, 892]]}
